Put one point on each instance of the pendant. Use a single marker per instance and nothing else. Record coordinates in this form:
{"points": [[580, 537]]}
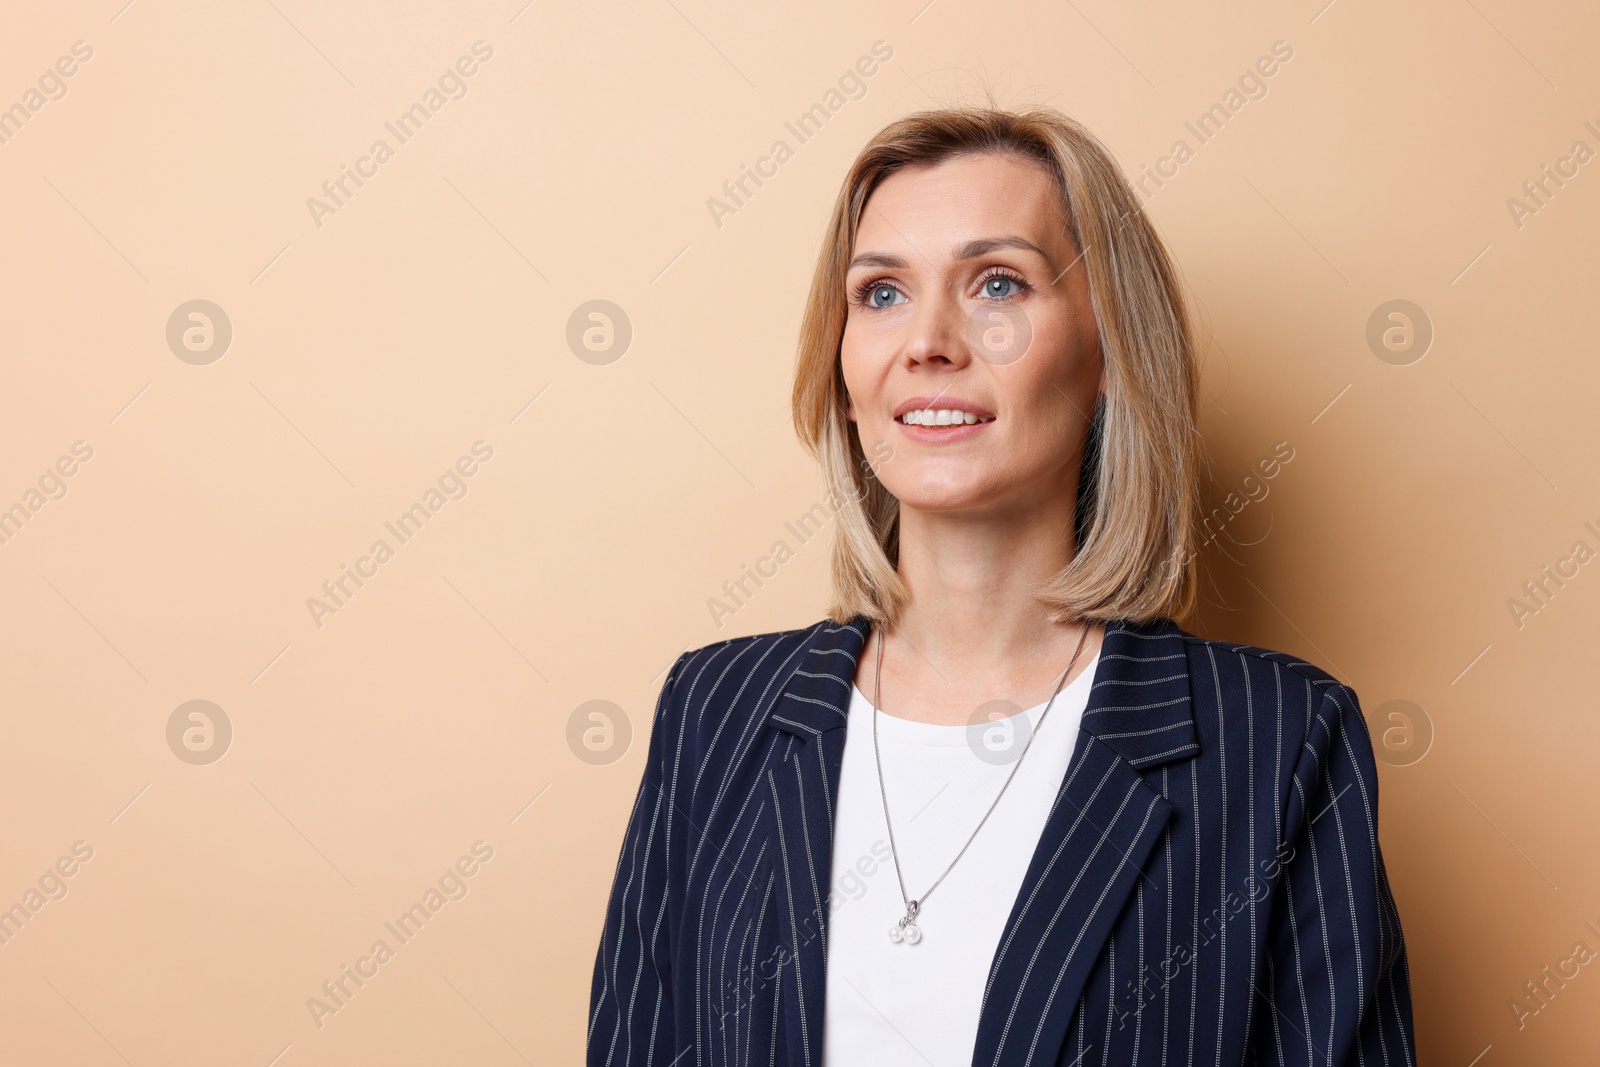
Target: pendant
{"points": [[906, 930]]}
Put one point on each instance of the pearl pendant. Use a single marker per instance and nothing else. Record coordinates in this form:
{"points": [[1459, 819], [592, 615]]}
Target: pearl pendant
{"points": [[906, 929], [909, 933]]}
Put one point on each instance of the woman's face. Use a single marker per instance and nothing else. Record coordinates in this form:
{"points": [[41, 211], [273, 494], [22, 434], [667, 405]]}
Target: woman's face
{"points": [[967, 298]]}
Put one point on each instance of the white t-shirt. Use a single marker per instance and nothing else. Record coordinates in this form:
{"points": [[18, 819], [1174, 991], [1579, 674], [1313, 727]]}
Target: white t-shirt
{"points": [[909, 1005]]}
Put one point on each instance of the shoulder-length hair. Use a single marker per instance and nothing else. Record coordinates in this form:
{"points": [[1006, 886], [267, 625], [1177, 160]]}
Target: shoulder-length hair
{"points": [[1138, 491]]}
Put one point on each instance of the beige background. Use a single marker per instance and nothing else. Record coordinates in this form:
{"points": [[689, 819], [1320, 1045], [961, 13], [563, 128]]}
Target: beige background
{"points": [[430, 311]]}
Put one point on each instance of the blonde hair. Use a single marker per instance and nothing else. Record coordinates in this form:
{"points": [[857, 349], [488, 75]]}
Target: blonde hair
{"points": [[1138, 493]]}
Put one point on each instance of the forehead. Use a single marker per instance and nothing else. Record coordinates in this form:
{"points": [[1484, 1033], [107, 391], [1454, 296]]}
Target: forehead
{"points": [[933, 208]]}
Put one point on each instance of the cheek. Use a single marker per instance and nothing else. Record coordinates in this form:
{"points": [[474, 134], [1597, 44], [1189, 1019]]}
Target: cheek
{"points": [[874, 335], [1050, 405], [855, 364], [856, 344], [1035, 441], [1064, 325], [1065, 345]]}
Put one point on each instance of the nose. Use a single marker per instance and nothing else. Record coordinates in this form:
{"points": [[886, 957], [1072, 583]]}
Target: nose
{"points": [[938, 330]]}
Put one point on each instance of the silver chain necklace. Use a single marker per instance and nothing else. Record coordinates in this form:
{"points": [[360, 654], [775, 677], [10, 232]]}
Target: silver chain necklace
{"points": [[906, 930]]}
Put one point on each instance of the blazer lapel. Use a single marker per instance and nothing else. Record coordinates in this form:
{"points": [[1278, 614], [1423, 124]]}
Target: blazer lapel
{"points": [[1102, 829], [814, 708], [1092, 851]]}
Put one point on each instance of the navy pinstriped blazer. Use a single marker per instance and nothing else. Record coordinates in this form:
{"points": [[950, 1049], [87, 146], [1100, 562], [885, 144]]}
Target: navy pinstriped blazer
{"points": [[1208, 887]]}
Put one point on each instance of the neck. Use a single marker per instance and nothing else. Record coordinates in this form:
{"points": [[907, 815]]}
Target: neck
{"points": [[974, 606]]}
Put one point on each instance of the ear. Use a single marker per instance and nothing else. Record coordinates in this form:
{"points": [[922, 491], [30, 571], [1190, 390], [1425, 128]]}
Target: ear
{"points": [[849, 407]]}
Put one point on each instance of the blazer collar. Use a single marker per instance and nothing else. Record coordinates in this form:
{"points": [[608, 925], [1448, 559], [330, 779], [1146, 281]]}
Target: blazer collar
{"points": [[1102, 828], [1139, 705]]}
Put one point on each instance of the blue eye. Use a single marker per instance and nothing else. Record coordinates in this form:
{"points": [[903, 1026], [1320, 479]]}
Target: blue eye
{"points": [[1000, 286], [879, 295], [884, 296]]}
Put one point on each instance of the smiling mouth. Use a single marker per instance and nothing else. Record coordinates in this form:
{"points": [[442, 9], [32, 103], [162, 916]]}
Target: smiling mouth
{"points": [[941, 417]]}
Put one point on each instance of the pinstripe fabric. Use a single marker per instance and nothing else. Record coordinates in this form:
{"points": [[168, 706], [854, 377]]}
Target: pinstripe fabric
{"points": [[1208, 887]]}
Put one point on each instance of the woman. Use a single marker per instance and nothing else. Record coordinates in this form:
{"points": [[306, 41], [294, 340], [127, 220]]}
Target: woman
{"points": [[998, 808]]}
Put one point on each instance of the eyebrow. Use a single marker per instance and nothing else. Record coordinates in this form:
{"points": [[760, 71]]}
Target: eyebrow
{"points": [[970, 250]]}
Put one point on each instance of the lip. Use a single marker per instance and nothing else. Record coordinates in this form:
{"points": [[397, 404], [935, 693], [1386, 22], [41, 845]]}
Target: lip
{"points": [[941, 434]]}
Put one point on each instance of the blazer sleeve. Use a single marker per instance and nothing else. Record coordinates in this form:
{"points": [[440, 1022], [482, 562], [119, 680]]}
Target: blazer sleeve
{"points": [[631, 996], [1337, 988]]}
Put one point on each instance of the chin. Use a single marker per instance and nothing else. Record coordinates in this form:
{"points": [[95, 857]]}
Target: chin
{"points": [[941, 494]]}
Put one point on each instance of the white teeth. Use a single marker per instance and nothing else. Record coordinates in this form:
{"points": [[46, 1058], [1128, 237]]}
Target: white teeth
{"points": [[940, 417]]}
